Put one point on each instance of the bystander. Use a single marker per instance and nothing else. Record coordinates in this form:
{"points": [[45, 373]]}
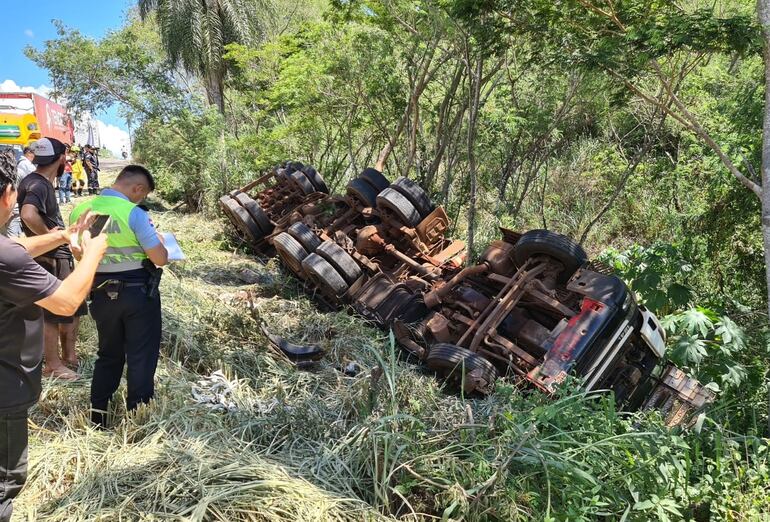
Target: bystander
{"points": [[40, 215], [25, 288], [24, 166]]}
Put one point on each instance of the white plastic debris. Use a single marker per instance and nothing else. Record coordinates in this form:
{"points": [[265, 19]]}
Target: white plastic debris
{"points": [[216, 392]]}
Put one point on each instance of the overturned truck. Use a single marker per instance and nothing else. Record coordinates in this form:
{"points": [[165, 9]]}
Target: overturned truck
{"points": [[534, 307]]}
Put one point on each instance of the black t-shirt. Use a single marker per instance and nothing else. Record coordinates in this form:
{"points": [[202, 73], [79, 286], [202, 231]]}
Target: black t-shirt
{"points": [[22, 283], [37, 191]]}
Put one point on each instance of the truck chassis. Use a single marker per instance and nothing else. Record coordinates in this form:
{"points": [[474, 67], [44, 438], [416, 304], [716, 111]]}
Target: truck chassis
{"points": [[533, 308]]}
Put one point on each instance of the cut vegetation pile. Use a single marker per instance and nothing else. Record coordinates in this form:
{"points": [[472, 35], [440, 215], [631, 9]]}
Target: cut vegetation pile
{"points": [[362, 435]]}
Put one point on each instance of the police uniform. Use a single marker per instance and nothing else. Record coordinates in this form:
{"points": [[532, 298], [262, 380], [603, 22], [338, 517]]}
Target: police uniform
{"points": [[125, 304]]}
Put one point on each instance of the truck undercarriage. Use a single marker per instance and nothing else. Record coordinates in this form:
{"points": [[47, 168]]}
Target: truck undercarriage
{"points": [[533, 308]]}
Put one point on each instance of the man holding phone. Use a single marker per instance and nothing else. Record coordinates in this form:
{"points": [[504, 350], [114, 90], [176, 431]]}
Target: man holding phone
{"points": [[26, 289], [125, 301]]}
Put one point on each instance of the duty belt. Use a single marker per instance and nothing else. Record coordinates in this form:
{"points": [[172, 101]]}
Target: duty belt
{"points": [[112, 287]]}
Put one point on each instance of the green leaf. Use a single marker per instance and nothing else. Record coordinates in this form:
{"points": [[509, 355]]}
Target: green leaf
{"points": [[679, 295], [689, 350], [731, 334], [734, 375], [644, 505], [696, 321], [655, 299]]}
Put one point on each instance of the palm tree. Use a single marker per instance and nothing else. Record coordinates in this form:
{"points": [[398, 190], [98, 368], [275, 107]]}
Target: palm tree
{"points": [[195, 33]]}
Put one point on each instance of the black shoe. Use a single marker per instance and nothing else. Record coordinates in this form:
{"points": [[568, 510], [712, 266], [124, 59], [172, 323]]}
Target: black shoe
{"points": [[99, 419]]}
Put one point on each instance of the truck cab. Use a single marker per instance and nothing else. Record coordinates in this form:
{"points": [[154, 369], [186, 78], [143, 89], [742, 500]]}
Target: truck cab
{"points": [[18, 130]]}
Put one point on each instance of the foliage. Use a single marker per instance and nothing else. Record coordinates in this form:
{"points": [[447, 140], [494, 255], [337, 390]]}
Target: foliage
{"points": [[194, 34], [657, 273], [179, 152], [126, 68]]}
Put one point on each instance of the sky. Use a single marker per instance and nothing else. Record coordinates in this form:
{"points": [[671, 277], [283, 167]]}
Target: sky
{"points": [[23, 24]]}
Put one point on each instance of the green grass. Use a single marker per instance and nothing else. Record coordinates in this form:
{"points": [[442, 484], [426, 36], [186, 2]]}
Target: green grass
{"points": [[387, 443]]}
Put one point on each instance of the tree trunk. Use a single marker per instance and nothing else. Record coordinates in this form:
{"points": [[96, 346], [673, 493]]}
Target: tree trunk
{"points": [[215, 90], [763, 13], [474, 76]]}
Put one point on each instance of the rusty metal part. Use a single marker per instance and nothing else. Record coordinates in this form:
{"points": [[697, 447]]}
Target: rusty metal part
{"points": [[528, 323], [570, 345], [513, 348], [432, 229], [433, 298], [369, 240], [453, 254], [499, 258], [502, 304], [510, 236], [438, 325], [550, 302], [678, 396], [404, 338], [417, 267]]}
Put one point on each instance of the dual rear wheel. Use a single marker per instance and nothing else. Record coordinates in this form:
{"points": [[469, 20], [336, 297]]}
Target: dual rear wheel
{"points": [[324, 263]]}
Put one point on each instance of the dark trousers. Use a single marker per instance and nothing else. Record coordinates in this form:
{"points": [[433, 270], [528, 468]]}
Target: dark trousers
{"points": [[129, 330], [13, 459], [93, 182]]}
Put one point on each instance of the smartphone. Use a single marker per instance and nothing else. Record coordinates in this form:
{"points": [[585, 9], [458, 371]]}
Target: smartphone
{"points": [[98, 225]]}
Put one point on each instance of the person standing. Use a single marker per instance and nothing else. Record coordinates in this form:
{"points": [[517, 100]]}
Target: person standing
{"points": [[78, 172], [91, 164], [40, 215], [65, 180], [24, 166], [25, 288], [125, 301]]}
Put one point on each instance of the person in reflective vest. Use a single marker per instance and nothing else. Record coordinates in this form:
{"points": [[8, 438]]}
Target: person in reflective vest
{"points": [[125, 303]]}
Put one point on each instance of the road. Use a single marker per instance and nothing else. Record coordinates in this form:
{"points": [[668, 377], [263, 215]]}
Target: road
{"points": [[109, 164]]}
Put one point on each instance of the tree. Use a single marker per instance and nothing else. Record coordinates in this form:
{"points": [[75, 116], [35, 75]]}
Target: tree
{"points": [[642, 43], [195, 33]]}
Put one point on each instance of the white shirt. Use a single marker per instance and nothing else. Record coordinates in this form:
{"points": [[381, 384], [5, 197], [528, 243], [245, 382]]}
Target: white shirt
{"points": [[24, 167]]}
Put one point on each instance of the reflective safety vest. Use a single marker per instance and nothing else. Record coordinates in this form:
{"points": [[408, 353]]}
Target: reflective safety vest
{"points": [[124, 252]]}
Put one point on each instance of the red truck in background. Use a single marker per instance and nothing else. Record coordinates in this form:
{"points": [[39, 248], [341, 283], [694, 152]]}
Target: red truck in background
{"points": [[26, 117]]}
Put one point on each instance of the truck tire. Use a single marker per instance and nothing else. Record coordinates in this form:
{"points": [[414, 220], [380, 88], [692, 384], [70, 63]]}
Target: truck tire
{"points": [[396, 203], [557, 246], [315, 178], [323, 275], [415, 194], [256, 213], [225, 208], [244, 222], [282, 174], [363, 192], [304, 236], [375, 178], [290, 251], [345, 265], [301, 180], [450, 360]]}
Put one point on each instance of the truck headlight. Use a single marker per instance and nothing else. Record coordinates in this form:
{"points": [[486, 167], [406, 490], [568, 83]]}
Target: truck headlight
{"points": [[32, 126]]}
